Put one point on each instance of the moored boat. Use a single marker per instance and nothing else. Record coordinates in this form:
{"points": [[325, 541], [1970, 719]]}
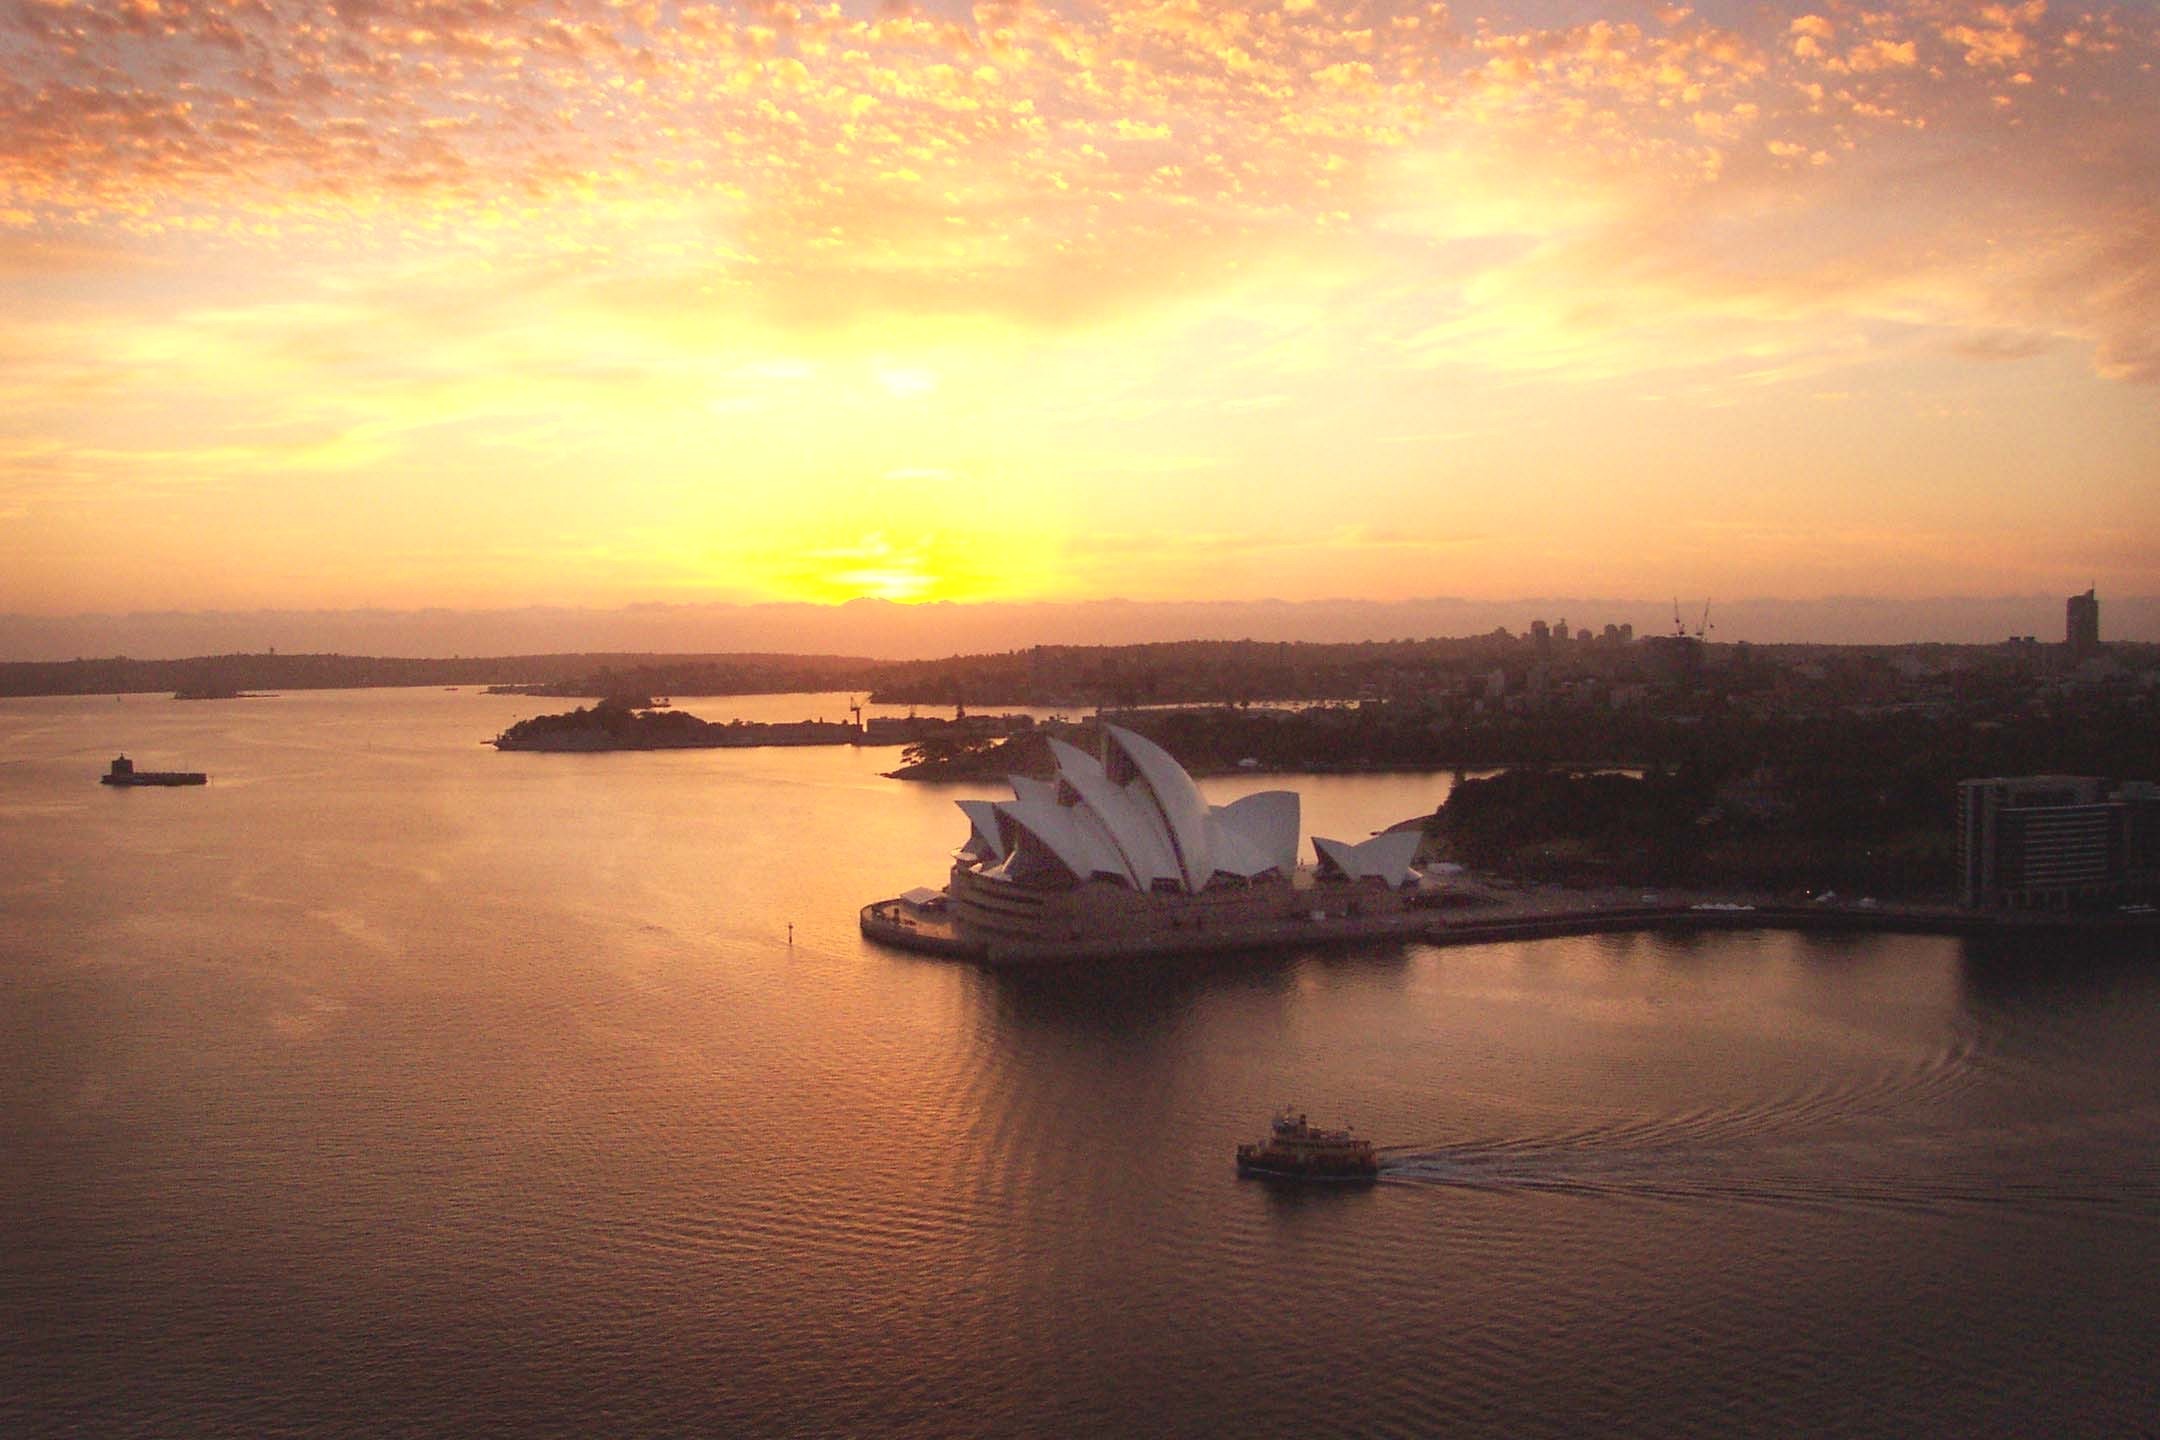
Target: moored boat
{"points": [[1295, 1149]]}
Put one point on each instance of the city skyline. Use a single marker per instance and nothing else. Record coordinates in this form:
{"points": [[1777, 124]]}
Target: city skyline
{"points": [[409, 305], [883, 629]]}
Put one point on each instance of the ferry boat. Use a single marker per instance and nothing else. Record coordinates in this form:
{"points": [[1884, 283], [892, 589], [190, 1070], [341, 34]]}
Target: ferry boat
{"points": [[1297, 1150]]}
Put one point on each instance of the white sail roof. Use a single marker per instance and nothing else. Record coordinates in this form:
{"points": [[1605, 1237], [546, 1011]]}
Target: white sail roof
{"points": [[1140, 821], [1025, 788], [1054, 829], [985, 841], [1269, 820], [1138, 836], [1386, 856], [1182, 815]]}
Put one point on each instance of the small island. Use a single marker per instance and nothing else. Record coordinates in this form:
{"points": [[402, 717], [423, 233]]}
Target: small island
{"points": [[636, 723], [614, 725]]}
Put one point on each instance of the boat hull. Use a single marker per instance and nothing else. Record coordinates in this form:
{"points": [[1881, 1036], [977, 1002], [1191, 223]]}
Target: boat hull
{"points": [[1251, 1171], [1259, 1166]]}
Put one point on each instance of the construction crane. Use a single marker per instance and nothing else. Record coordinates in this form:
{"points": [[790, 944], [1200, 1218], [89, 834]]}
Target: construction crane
{"points": [[1702, 626], [1679, 626]]}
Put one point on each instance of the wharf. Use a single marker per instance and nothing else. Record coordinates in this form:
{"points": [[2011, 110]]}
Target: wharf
{"points": [[904, 926]]}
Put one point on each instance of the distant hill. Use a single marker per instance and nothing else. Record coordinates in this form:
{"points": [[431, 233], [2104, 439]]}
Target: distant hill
{"points": [[595, 675], [1509, 671]]}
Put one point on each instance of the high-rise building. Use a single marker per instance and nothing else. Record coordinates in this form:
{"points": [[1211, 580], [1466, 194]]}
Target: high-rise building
{"points": [[2081, 626], [2140, 800], [2052, 841]]}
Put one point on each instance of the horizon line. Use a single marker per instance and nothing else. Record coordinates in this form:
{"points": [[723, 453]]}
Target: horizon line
{"points": [[883, 629]]}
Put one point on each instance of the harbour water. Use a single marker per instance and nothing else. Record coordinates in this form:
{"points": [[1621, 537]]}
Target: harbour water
{"points": [[389, 1085]]}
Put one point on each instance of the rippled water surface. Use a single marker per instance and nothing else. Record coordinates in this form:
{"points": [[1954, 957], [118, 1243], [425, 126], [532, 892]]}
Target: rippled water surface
{"points": [[389, 1085]]}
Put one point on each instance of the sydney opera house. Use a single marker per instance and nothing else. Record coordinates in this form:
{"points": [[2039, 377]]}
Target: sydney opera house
{"points": [[1123, 853]]}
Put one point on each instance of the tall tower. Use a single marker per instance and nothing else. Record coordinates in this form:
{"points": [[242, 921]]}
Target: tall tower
{"points": [[2081, 626]]}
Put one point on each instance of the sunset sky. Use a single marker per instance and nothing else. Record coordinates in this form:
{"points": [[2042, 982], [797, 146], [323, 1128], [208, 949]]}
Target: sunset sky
{"points": [[477, 303]]}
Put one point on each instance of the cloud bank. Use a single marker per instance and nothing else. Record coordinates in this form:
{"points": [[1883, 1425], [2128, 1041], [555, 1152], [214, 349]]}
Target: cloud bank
{"points": [[478, 302]]}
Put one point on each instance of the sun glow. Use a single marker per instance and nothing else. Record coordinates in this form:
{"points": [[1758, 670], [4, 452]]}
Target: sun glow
{"points": [[871, 567], [1231, 301], [903, 565]]}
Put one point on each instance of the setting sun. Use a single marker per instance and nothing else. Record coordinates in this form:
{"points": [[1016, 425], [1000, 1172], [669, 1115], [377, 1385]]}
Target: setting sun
{"points": [[599, 303]]}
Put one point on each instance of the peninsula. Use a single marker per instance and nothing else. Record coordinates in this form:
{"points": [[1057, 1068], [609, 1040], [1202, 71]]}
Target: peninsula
{"points": [[1737, 771], [1118, 855]]}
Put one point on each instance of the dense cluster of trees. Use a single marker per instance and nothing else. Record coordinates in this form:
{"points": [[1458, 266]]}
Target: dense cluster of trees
{"points": [[715, 675], [617, 720], [1679, 828], [1864, 802], [1181, 672]]}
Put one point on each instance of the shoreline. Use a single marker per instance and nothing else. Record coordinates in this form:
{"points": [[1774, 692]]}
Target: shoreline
{"points": [[967, 774], [897, 925]]}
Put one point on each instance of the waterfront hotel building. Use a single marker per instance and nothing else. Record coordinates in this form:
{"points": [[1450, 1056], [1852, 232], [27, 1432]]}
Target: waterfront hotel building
{"points": [[2056, 841]]}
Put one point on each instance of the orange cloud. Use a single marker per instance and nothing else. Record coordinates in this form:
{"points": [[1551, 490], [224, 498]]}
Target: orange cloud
{"points": [[1148, 236]]}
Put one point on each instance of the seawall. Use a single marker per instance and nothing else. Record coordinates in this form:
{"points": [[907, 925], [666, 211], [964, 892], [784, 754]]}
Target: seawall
{"points": [[899, 926]]}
